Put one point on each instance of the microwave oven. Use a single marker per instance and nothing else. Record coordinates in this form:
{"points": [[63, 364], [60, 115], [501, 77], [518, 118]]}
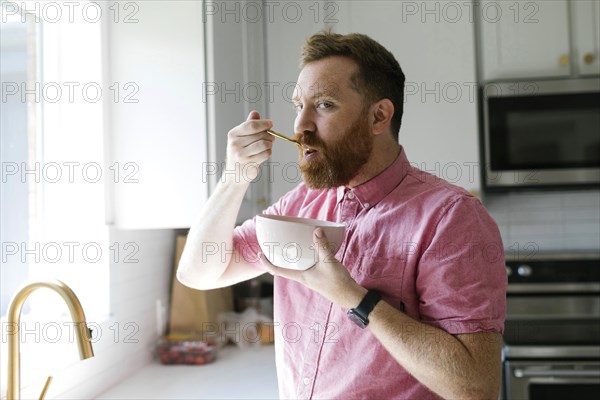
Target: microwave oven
{"points": [[541, 133]]}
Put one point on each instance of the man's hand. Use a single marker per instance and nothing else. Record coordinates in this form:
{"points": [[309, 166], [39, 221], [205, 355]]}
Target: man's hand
{"points": [[327, 277], [249, 145]]}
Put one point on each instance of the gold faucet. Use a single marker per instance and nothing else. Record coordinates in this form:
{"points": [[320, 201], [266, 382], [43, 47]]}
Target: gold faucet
{"points": [[14, 318]]}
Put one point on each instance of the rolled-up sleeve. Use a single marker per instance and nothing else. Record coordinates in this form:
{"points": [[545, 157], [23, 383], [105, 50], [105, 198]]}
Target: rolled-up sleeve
{"points": [[461, 278]]}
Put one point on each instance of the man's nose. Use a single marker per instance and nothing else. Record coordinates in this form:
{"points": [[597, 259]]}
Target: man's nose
{"points": [[304, 122]]}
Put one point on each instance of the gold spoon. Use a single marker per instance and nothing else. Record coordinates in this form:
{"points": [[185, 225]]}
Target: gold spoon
{"points": [[282, 136]]}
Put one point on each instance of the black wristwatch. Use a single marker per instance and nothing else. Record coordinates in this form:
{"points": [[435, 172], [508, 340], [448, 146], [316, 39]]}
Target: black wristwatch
{"points": [[360, 314]]}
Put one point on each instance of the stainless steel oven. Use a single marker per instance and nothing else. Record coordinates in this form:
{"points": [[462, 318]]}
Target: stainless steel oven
{"points": [[541, 133], [558, 380], [552, 332]]}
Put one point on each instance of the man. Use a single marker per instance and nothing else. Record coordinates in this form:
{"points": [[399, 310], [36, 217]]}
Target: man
{"points": [[427, 248]]}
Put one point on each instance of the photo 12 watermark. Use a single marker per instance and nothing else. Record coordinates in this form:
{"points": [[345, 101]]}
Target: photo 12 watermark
{"points": [[270, 11], [269, 92], [69, 92], [70, 252], [456, 92], [250, 92], [55, 12], [452, 12], [250, 332], [54, 332], [69, 172], [251, 172]]}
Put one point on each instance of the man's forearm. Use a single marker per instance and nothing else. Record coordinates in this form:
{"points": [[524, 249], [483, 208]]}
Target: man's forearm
{"points": [[204, 258], [205, 262], [448, 365], [439, 360]]}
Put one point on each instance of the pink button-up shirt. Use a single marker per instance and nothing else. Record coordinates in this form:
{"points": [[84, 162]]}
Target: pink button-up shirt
{"points": [[429, 247]]}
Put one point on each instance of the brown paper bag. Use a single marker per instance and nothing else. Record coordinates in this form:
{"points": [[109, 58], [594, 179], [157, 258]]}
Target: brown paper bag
{"points": [[195, 311]]}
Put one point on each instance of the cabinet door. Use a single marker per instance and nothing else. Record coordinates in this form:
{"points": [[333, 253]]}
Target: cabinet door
{"points": [[585, 16], [524, 39], [157, 129]]}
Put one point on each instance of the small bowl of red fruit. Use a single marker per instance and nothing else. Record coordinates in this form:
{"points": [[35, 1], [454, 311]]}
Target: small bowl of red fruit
{"points": [[185, 350]]}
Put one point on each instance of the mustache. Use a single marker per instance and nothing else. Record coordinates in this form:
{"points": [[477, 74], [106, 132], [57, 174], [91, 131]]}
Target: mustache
{"points": [[309, 140]]}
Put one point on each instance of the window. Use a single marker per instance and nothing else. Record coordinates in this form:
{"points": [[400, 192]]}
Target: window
{"points": [[53, 174]]}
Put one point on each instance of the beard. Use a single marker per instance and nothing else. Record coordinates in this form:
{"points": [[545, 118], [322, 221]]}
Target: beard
{"points": [[339, 161]]}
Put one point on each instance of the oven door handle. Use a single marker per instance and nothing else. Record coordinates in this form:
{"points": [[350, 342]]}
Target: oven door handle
{"points": [[530, 372]]}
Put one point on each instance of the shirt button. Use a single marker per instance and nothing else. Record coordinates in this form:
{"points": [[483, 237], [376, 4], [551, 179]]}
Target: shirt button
{"points": [[367, 205], [350, 195], [306, 381]]}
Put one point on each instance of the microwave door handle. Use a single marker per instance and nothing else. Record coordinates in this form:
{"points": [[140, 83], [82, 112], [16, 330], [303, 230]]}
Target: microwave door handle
{"points": [[531, 372]]}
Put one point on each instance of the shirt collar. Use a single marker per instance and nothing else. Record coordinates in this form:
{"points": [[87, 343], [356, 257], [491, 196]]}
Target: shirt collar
{"points": [[372, 191]]}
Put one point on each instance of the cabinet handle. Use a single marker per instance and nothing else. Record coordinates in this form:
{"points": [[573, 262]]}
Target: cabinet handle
{"points": [[564, 60], [589, 58]]}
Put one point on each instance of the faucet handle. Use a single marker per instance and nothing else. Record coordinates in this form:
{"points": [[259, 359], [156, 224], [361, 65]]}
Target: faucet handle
{"points": [[46, 386]]}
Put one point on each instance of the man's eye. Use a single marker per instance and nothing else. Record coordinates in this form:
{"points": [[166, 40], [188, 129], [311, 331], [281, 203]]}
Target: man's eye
{"points": [[297, 107], [324, 104]]}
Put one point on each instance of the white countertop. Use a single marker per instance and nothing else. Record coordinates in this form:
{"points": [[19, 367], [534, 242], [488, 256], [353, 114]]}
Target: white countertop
{"points": [[235, 374]]}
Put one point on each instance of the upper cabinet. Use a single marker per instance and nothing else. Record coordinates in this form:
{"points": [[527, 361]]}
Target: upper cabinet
{"points": [[585, 16], [182, 74], [538, 39], [156, 118]]}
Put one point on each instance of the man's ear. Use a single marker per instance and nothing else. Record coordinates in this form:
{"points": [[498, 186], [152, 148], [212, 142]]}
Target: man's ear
{"points": [[382, 113]]}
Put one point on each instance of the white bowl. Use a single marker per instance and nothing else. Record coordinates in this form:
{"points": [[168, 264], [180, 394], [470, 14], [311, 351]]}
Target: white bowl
{"points": [[287, 242]]}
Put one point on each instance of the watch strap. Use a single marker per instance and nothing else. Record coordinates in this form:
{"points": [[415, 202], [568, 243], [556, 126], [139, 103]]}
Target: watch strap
{"points": [[367, 305]]}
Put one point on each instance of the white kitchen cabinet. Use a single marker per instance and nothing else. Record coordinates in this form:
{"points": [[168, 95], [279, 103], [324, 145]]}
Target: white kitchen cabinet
{"points": [[186, 71], [157, 137], [585, 16], [524, 39], [538, 39]]}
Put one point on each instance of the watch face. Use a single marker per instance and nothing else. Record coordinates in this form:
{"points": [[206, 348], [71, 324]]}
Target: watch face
{"points": [[357, 319]]}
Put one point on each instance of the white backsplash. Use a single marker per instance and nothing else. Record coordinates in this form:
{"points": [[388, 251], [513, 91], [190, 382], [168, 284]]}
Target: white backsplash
{"points": [[549, 221], [129, 337]]}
